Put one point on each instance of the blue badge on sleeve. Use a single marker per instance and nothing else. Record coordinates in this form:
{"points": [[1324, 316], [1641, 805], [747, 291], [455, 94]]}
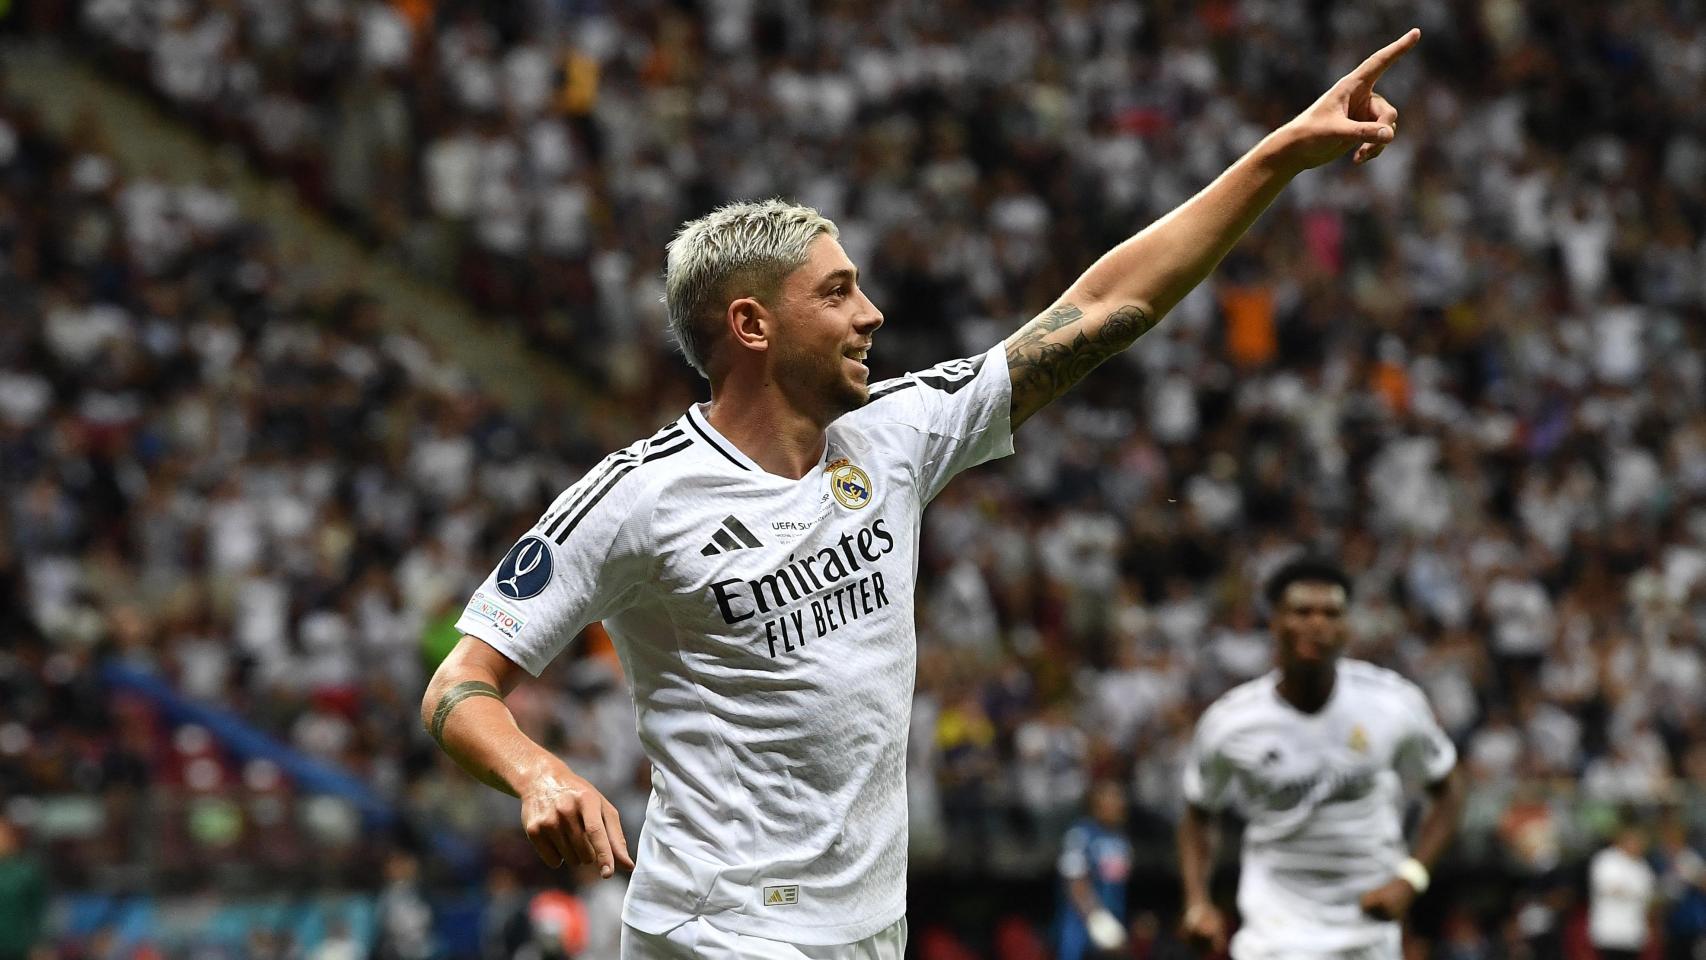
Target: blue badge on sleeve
{"points": [[525, 570]]}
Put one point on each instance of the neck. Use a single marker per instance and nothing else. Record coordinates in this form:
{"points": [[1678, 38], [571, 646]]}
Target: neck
{"points": [[758, 419], [1308, 691]]}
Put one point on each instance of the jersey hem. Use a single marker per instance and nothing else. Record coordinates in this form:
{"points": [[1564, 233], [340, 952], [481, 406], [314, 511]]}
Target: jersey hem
{"points": [[1320, 941], [658, 921]]}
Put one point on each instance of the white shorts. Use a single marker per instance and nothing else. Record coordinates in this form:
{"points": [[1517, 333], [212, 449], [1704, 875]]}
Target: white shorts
{"points": [[698, 940]]}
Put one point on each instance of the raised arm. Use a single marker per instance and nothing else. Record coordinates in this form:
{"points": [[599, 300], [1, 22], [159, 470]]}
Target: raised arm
{"points": [[1127, 292], [565, 817]]}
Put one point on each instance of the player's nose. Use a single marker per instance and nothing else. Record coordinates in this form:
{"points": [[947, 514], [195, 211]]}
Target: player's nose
{"points": [[870, 318]]}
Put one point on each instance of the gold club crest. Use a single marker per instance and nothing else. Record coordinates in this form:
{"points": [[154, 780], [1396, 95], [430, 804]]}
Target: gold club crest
{"points": [[1359, 739], [850, 485]]}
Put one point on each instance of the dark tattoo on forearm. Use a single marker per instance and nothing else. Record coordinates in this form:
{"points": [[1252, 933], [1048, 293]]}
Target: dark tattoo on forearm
{"points": [[454, 696], [1043, 362]]}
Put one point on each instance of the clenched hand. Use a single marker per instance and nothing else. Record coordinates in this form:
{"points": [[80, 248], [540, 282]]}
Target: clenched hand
{"points": [[1204, 928], [1390, 901]]}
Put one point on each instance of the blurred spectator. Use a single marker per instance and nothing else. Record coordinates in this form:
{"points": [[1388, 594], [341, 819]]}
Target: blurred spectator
{"points": [[1051, 769], [1682, 886], [1095, 863], [505, 927], [405, 918], [23, 897], [1621, 896], [339, 944], [558, 919], [602, 901]]}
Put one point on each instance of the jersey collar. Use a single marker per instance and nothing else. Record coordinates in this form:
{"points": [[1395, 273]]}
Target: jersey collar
{"points": [[1326, 706], [697, 421]]}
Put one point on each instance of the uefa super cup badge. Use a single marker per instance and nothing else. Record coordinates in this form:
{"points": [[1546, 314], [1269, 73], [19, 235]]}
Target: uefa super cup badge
{"points": [[525, 570], [850, 485]]}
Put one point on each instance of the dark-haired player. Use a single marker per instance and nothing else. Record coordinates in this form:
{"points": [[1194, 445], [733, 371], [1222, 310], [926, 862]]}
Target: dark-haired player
{"points": [[1314, 758]]}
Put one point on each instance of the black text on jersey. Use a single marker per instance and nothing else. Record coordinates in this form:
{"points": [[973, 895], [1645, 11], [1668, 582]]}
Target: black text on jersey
{"points": [[814, 594]]}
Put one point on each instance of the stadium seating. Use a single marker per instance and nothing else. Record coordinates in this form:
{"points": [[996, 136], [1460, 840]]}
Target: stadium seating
{"points": [[1474, 369]]}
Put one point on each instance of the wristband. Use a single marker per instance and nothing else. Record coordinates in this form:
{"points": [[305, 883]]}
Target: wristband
{"points": [[1105, 930], [1413, 873]]}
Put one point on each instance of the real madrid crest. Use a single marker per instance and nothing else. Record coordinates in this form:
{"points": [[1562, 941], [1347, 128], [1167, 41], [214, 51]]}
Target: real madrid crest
{"points": [[850, 485], [1359, 739]]}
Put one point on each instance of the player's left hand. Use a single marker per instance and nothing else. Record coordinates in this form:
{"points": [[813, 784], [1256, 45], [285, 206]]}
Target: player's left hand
{"points": [[1390, 901], [1350, 114]]}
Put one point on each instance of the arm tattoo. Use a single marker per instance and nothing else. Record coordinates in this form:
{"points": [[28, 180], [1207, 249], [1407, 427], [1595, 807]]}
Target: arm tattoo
{"points": [[457, 694], [1056, 350]]}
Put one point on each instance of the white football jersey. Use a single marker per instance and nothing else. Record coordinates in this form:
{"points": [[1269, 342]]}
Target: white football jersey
{"points": [[766, 627], [1322, 798]]}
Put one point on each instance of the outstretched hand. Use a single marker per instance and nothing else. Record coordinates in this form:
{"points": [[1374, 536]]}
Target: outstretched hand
{"points": [[1350, 114]]}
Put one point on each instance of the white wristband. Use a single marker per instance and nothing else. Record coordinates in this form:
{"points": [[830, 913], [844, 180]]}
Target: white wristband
{"points": [[1105, 930], [1413, 873]]}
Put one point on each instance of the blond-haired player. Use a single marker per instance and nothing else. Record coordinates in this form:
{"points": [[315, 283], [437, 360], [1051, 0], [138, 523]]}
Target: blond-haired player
{"points": [[755, 563]]}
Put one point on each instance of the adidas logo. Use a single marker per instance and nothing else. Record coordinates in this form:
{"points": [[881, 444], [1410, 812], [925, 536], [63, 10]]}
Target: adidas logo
{"points": [[731, 536]]}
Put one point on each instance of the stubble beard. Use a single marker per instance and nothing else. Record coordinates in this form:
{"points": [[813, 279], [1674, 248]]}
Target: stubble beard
{"points": [[820, 384], [849, 395]]}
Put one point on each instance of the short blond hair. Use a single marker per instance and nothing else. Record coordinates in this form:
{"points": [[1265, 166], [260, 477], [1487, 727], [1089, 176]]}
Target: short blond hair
{"points": [[737, 250]]}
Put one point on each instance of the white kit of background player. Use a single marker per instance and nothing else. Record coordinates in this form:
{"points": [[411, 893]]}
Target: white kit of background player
{"points": [[755, 563], [1315, 757], [1322, 800]]}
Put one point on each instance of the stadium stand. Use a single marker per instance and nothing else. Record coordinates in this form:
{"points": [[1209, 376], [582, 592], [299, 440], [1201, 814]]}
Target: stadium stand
{"points": [[1474, 368]]}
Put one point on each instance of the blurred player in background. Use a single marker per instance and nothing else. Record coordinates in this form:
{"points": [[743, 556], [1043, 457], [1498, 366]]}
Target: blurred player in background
{"points": [[1314, 758], [1095, 861], [754, 563]]}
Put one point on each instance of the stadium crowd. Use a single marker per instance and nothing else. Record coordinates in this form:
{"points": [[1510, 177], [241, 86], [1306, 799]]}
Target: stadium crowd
{"points": [[1474, 369]]}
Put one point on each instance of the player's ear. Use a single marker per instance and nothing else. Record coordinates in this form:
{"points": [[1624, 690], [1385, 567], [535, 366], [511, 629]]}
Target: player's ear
{"points": [[750, 325]]}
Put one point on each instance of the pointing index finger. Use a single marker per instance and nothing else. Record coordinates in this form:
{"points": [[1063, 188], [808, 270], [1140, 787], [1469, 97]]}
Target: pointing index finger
{"points": [[1370, 70]]}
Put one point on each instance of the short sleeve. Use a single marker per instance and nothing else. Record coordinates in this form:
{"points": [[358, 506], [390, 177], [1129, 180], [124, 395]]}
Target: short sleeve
{"points": [[1075, 854], [959, 412], [1208, 774], [1425, 753], [585, 560]]}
